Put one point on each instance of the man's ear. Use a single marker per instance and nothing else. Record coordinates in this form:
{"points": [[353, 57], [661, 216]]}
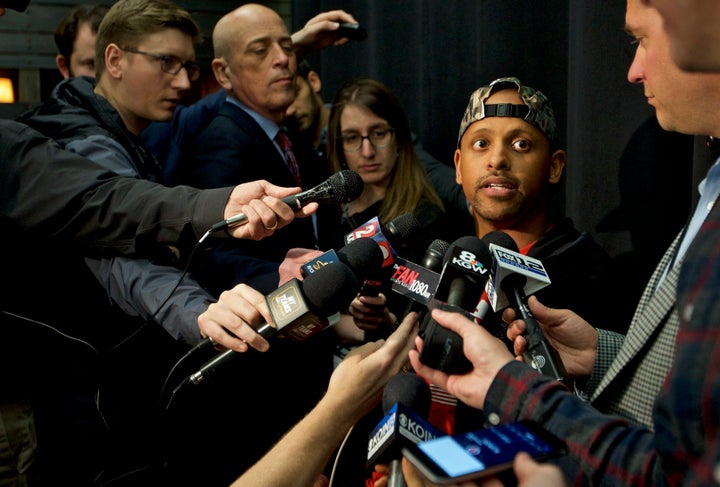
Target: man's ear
{"points": [[63, 65], [557, 165], [458, 167], [114, 57], [315, 82], [220, 67]]}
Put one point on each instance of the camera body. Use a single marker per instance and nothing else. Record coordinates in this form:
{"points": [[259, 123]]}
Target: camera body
{"points": [[354, 32]]}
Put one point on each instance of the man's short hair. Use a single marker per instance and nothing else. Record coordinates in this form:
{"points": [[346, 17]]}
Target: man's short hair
{"points": [[66, 32], [128, 22]]}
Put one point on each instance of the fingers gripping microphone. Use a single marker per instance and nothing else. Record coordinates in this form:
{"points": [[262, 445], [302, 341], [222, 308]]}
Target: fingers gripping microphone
{"points": [[510, 275], [466, 268], [300, 309], [341, 187], [406, 404]]}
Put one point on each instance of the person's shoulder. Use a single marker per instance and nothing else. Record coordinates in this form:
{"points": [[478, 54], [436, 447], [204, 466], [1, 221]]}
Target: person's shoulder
{"points": [[563, 239]]}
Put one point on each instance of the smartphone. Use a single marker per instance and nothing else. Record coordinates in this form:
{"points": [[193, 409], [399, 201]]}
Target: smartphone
{"points": [[468, 456], [354, 32]]}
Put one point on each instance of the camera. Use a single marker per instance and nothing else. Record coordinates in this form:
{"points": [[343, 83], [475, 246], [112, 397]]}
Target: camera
{"points": [[354, 32]]}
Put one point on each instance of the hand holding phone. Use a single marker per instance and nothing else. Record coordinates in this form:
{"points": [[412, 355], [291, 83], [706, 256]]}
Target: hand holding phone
{"points": [[468, 456], [354, 32]]}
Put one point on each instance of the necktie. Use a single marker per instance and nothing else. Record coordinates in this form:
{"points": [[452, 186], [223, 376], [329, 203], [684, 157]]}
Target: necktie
{"points": [[290, 159]]}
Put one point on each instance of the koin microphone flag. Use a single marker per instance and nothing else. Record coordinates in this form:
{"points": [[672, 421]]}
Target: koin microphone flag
{"points": [[341, 187], [300, 309], [406, 404]]}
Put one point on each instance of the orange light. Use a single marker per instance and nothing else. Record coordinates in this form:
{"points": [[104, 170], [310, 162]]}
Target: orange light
{"points": [[6, 91]]}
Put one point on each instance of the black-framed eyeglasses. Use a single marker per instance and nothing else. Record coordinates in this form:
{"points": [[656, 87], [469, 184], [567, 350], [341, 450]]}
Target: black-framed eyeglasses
{"points": [[379, 138], [171, 64]]}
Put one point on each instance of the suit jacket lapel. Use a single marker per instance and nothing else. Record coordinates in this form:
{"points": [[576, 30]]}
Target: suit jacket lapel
{"points": [[652, 311]]}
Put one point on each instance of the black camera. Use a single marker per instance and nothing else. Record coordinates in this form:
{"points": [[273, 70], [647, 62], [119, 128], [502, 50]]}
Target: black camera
{"points": [[353, 32]]}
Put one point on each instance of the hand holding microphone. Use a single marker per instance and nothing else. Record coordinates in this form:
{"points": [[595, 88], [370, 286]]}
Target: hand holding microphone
{"points": [[574, 338], [512, 274], [341, 187], [299, 310]]}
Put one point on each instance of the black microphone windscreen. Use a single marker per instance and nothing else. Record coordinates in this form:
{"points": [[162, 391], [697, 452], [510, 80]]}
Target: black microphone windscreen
{"points": [[435, 254], [362, 255], [501, 239], [347, 185], [423, 221], [410, 390], [473, 245], [330, 289]]}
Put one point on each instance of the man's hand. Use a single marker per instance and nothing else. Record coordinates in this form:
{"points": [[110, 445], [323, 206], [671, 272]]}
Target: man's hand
{"points": [[260, 202], [319, 32], [294, 259], [357, 383], [574, 338], [486, 353], [231, 322]]}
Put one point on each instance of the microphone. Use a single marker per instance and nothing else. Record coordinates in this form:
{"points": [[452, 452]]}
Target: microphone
{"points": [[418, 283], [406, 404], [513, 272], [462, 282], [420, 224], [362, 256], [341, 187], [435, 254], [300, 309], [507, 261], [399, 232]]}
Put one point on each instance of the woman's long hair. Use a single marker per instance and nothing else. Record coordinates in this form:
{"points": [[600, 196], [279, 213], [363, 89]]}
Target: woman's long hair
{"points": [[409, 183]]}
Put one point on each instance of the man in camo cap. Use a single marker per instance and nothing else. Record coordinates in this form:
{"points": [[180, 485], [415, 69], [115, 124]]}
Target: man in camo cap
{"points": [[509, 163]]}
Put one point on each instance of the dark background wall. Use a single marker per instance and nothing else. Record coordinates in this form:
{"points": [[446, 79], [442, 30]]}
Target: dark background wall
{"points": [[433, 54]]}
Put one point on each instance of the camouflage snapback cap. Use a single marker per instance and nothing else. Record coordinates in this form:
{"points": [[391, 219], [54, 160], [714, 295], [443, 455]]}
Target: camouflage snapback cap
{"points": [[536, 111]]}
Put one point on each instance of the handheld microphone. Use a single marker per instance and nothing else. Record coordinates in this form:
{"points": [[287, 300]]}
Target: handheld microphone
{"points": [[465, 272], [434, 255], [419, 282], [508, 261], [341, 187], [406, 404], [511, 274], [362, 256], [300, 309], [422, 223]]}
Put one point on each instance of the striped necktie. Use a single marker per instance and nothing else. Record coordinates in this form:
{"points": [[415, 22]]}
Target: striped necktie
{"points": [[290, 159]]}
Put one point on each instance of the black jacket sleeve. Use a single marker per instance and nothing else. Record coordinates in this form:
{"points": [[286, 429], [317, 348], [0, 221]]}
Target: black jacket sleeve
{"points": [[52, 193]]}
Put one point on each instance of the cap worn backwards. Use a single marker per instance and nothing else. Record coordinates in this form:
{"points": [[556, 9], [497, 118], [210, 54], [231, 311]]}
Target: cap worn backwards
{"points": [[536, 109]]}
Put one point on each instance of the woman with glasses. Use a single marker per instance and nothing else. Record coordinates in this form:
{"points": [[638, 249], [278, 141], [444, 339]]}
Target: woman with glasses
{"points": [[369, 133]]}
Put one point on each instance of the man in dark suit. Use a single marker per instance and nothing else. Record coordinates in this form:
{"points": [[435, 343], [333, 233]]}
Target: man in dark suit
{"points": [[255, 64]]}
